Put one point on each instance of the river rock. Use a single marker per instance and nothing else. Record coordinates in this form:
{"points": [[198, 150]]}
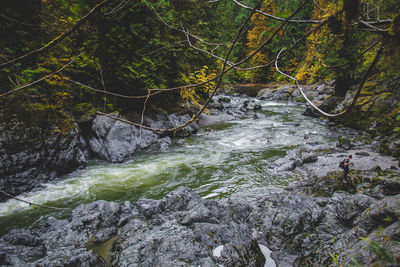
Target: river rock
{"points": [[116, 141], [181, 229], [172, 121], [184, 230], [280, 93], [29, 158]]}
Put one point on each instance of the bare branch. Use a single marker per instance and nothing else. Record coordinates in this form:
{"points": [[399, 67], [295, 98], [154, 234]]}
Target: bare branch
{"points": [[22, 23], [118, 7], [41, 79], [367, 73], [203, 50], [142, 118], [219, 77], [180, 30], [278, 18], [291, 48], [106, 92], [56, 40]]}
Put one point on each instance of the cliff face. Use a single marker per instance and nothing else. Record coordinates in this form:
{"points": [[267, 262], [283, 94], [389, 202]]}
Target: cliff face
{"points": [[28, 159]]}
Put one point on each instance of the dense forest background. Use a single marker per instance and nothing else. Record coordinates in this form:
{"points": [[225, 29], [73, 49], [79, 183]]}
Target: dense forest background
{"points": [[54, 53]]}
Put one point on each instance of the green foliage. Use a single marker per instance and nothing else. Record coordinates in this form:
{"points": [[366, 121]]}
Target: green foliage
{"points": [[378, 250], [262, 29], [195, 94], [130, 49], [335, 260]]}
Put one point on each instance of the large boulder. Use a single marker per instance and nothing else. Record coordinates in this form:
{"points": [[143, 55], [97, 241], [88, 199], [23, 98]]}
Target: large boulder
{"points": [[172, 121], [115, 141]]}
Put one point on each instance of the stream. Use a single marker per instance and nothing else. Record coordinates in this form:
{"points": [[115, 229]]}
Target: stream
{"points": [[235, 157]]}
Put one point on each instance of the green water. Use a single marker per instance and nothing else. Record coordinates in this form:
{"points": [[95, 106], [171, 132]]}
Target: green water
{"points": [[234, 158]]}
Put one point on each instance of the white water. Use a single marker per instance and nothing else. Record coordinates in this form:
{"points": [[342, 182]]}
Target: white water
{"points": [[233, 158]]}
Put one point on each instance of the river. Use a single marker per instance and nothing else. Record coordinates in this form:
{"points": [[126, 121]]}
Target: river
{"points": [[236, 157]]}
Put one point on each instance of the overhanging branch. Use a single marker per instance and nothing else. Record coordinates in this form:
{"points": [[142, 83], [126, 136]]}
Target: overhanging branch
{"points": [[56, 40]]}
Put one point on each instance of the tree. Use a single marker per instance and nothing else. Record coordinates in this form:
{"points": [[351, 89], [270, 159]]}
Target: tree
{"points": [[109, 49]]}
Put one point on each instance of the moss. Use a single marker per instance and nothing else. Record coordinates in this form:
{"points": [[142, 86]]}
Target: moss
{"points": [[372, 109], [101, 249]]}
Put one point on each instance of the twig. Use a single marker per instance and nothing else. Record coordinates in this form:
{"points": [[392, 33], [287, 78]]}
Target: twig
{"points": [[142, 118], [105, 92], [56, 40], [41, 79], [33, 204], [355, 97], [177, 29], [22, 23], [118, 7], [278, 18], [104, 87]]}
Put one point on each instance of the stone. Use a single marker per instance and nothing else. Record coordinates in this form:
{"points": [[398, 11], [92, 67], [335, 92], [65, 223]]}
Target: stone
{"points": [[391, 186], [28, 160]]}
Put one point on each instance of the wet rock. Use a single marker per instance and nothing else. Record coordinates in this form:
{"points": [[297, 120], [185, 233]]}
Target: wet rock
{"points": [[183, 229], [253, 105], [172, 121], [311, 112], [115, 141], [180, 229], [391, 186], [29, 159], [281, 93], [225, 99], [344, 143], [362, 154], [381, 213]]}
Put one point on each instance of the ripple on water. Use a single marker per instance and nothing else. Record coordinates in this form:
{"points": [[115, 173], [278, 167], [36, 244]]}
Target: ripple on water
{"points": [[219, 161]]}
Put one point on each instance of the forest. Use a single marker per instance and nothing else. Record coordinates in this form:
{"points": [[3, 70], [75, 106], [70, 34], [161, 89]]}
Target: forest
{"points": [[199, 133], [64, 59]]}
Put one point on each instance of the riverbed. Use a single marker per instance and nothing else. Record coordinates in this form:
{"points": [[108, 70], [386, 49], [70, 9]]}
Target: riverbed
{"points": [[237, 156]]}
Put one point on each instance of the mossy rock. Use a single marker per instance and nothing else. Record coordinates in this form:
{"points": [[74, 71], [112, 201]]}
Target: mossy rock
{"points": [[325, 186]]}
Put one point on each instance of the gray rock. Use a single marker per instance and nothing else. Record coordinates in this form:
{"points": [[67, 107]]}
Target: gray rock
{"points": [[391, 186], [182, 229], [29, 159], [115, 141]]}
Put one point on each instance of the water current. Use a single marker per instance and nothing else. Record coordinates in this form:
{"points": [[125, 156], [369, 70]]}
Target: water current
{"points": [[235, 157]]}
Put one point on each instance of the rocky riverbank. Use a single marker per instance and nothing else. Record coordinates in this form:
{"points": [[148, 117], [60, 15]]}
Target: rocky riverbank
{"points": [[29, 158], [309, 222], [315, 221]]}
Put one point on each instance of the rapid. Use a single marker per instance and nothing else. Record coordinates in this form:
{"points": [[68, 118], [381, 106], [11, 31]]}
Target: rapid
{"points": [[237, 156]]}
